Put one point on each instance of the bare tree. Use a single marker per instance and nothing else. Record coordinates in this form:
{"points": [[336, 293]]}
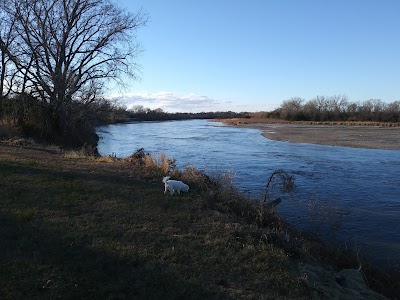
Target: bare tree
{"points": [[7, 37], [393, 111], [68, 49], [290, 108]]}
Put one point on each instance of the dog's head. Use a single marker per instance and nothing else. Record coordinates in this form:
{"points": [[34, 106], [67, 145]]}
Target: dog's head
{"points": [[165, 179], [185, 188]]}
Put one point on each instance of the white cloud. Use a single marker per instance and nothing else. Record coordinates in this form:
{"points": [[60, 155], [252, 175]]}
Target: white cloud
{"points": [[171, 102]]}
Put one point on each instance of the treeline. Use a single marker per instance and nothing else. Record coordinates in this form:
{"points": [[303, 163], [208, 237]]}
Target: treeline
{"points": [[118, 114], [335, 108]]}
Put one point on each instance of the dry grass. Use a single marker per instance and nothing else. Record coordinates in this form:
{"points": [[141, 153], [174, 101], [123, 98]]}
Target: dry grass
{"points": [[160, 164], [325, 214], [247, 121]]}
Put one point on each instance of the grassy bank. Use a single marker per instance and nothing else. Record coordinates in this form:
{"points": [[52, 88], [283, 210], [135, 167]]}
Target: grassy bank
{"points": [[80, 227]]}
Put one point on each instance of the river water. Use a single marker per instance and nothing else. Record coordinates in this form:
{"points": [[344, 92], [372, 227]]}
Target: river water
{"points": [[358, 188]]}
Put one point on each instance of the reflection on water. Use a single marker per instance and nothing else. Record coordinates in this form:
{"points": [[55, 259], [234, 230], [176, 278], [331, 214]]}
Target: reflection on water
{"points": [[363, 181]]}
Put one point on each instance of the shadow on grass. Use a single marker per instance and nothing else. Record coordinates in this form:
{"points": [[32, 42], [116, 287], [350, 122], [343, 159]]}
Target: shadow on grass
{"points": [[42, 259], [62, 189], [42, 264], [25, 169]]}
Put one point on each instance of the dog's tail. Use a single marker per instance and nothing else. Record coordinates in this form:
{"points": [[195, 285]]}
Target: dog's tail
{"points": [[165, 179]]}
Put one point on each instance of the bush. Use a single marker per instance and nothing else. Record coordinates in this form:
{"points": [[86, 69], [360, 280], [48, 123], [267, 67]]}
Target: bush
{"points": [[73, 127]]}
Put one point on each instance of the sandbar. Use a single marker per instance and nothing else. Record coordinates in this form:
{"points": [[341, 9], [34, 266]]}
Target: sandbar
{"points": [[372, 137]]}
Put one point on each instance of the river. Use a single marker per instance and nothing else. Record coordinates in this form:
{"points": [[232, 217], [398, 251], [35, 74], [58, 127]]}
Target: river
{"points": [[357, 188]]}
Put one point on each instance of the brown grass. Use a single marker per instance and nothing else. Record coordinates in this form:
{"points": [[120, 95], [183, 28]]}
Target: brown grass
{"points": [[247, 121]]}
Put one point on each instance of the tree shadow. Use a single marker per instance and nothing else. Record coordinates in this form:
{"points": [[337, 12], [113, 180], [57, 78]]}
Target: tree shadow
{"points": [[39, 263]]}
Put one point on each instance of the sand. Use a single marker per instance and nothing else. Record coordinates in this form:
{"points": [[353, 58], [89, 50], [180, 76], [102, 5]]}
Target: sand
{"points": [[373, 137]]}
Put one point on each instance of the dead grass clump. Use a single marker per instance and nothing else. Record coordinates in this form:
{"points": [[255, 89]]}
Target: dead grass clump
{"points": [[225, 190], [73, 154], [326, 215], [107, 159], [156, 166], [20, 142], [137, 158], [90, 150], [161, 164], [197, 180], [31, 143], [77, 154]]}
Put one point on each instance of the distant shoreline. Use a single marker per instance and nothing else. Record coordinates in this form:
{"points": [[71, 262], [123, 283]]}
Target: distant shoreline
{"points": [[360, 136]]}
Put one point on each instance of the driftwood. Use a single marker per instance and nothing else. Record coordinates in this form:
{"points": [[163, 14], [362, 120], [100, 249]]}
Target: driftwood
{"points": [[274, 203]]}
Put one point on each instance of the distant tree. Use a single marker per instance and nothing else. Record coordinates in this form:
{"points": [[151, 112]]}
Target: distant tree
{"points": [[322, 105], [379, 108], [139, 109], [159, 111], [351, 111], [312, 110], [292, 108], [393, 111], [338, 108], [365, 111]]}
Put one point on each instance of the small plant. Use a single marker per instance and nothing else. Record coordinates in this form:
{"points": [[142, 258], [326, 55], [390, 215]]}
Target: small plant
{"points": [[281, 179], [225, 180], [325, 214]]}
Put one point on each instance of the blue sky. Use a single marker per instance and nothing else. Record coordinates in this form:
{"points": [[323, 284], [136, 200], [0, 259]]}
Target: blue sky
{"points": [[251, 55]]}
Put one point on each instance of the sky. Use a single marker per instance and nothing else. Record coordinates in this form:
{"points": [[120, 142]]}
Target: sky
{"points": [[221, 55]]}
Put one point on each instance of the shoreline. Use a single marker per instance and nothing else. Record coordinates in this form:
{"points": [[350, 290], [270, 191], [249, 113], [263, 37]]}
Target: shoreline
{"points": [[368, 137]]}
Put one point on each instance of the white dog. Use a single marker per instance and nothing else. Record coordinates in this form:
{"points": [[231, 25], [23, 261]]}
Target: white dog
{"points": [[174, 186]]}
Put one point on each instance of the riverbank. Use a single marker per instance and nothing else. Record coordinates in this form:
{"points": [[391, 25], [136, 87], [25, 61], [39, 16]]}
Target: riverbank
{"points": [[83, 227], [356, 135]]}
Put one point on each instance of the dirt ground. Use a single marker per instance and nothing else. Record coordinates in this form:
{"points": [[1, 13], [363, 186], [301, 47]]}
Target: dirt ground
{"points": [[373, 137]]}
